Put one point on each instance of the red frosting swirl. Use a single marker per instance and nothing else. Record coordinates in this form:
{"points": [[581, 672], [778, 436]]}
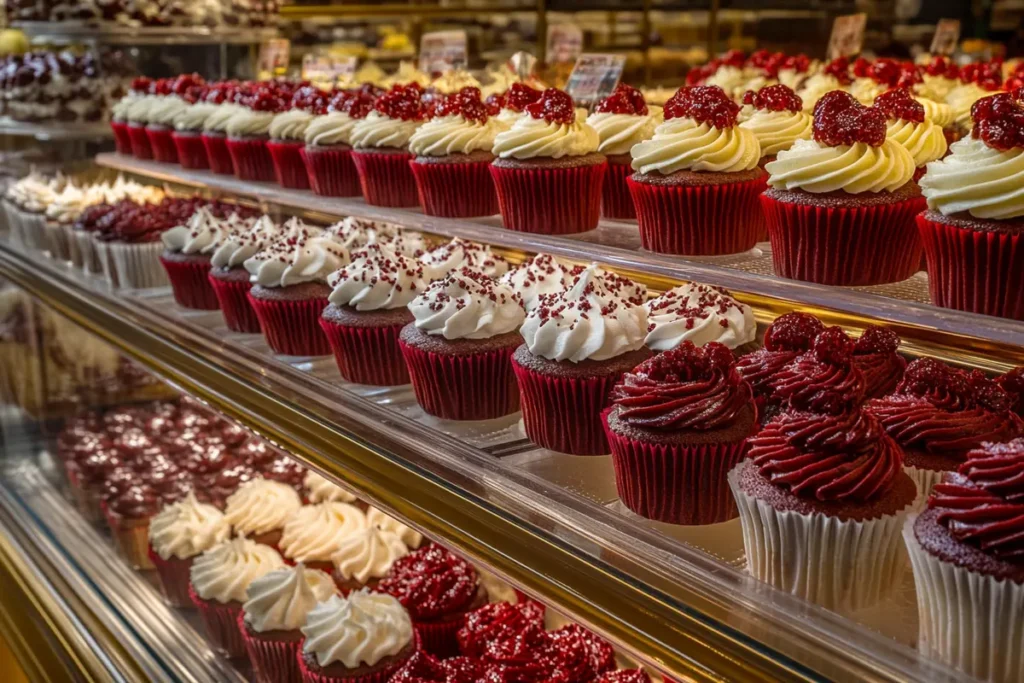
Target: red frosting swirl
{"points": [[1013, 384], [425, 668], [431, 583], [686, 388], [983, 503], [823, 380], [495, 622], [845, 457], [787, 337]]}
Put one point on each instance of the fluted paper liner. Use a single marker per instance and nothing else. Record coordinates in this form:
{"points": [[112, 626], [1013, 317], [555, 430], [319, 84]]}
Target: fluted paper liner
{"points": [[925, 480], [56, 244], [191, 150], [141, 147], [122, 140], [75, 254], [331, 171], [455, 190], [137, 265], [292, 328], [289, 169], [190, 284], [272, 661], [367, 355], [382, 676], [132, 539], [175, 575], [439, 638], [90, 253], [233, 301], [251, 159], [616, 201], [162, 143], [841, 565], [550, 201], [221, 624], [386, 179], [218, 155], [967, 620]]}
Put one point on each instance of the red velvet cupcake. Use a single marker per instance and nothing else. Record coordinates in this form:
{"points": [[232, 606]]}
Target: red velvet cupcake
{"points": [[248, 132], [697, 180], [423, 667], [328, 151], [459, 347], [381, 147], [177, 535], [438, 589], [679, 422], [549, 175], [495, 622], [875, 355], [824, 379], [128, 514], [215, 139], [204, 102], [288, 134], [938, 413], [826, 215], [238, 240], [572, 654], [187, 259]]}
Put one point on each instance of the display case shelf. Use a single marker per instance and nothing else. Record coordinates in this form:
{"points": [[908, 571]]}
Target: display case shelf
{"points": [[55, 130], [70, 32]]}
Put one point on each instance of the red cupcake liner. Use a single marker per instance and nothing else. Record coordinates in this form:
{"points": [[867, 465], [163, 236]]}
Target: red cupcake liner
{"points": [[218, 155], [439, 639], [141, 147], [233, 300], [332, 173], [759, 220], [367, 355], [455, 190], [251, 159], [616, 201], [221, 624], [974, 271], [673, 483], [272, 661], [292, 328], [162, 141], [175, 575], [550, 201], [564, 414], [289, 169], [191, 284], [480, 386], [386, 179], [191, 150], [844, 246], [122, 139], [700, 220]]}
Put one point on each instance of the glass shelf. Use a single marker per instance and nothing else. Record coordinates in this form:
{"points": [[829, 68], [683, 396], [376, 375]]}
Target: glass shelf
{"points": [[55, 130]]}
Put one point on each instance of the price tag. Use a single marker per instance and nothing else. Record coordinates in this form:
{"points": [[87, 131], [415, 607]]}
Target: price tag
{"points": [[442, 51], [847, 35], [328, 69], [273, 57], [565, 43], [947, 37], [594, 77]]}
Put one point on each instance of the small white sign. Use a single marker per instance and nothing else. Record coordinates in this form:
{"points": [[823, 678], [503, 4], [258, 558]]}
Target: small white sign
{"points": [[847, 35], [442, 51], [594, 77]]}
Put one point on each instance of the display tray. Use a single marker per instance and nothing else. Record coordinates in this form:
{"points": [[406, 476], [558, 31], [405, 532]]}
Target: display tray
{"points": [[676, 596]]}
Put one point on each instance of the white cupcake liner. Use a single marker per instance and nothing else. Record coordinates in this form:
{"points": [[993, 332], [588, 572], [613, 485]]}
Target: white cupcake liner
{"points": [[925, 481], [138, 265], [89, 253], [968, 620], [841, 565], [54, 241], [6, 220], [107, 266], [31, 230], [74, 249]]}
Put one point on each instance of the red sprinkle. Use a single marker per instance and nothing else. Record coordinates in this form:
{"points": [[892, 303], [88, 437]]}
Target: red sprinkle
{"points": [[898, 103], [554, 106], [705, 104], [839, 119]]}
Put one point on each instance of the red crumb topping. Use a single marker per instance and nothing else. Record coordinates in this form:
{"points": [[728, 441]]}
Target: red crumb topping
{"points": [[465, 103], [402, 102], [942, 66], [554, 106], [792, 332], [839, 119], [624, 676], [625, 100], [519, 96], [885, 71], [898, 103], [877, 340], [774, 98], [495, 622], [999, 120], [705, 104], [840, 69], [431, 583]]}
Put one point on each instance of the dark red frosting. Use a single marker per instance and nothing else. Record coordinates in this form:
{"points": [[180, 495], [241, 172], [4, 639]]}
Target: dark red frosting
{"points": [[524, 658], [875, 354], [554, 106], [1013, 384], [431, 583], [690, 387], [786, 338], [823, 380], [624, 676], [425, 668], [983, 503], [774, 98], [624, 100], [579, 654], [704, 104], [946, 411], [136, 502], [497, 621], [846, 457], [839, 119]]}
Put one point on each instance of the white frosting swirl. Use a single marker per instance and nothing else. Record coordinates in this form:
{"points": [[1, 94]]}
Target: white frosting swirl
{"points": [[455, 80], [682, 144], [925, 141], [467, 304], [199, 236], [376, 518], [377, 279], [531, 138], [856, 168], [241, 239], [354, 233], [961, 99], [542, 275], [727, 77], [866, 90], [290, 125], [314, 531], [459, 254], [223, 573], [140, 108], [939, 113], [193, 117], [356, 631], [217, 121], [454, 134], [333, 128], [249, 123], [299, 253], [320, 489], [68, 204], [187, 528], [378, 130], [261, 505], [618, 133], [778, 130], [698, 314], [281, 599], [935, 87], [815, 87], [368, 554], [590, 321], [978, 179]]}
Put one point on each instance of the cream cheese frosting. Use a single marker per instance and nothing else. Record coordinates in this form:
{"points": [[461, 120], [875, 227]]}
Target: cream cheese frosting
{"points": [[454, 134], [377, 279], [192, 117], [866, 90], [939, 113], [699, 314], [241, 239], [378, 130], [281, 599], [368, 554], [935, 87], [543, 274], [778, 130], [354, 233], [140, 108], [313, 532], [376, 518], [218, 119], [332, 128], [815, 87], [260, 506], [531, 138], [248, 123], [925, 141], [461, 253], [961, 99], [290, 125], [187, 528], [682, 144], [165, 111], [466, 304], [619, 133], [977, 179], [359, 630], [590, 321], [199, 235], [299, 253], [224, 573], [319, 489], [856, 168]]}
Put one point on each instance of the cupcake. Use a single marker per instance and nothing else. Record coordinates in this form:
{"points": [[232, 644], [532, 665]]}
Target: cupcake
{"points": [[965, 549], [622, 120], [570, 654], [438, 589], [833, 199], [459, 346], [542, 275], [220, 580], [698, 161], [313, 532], [288, 137], [369, 306], [699, 314], [260, 508], [119, 114], [972, 228], [876, 357], [381, 147], [289, 292], [186, 258], [363, 638], [163, 113], [128, 513], [426, 668], [137, 116], [320, 489], [578, 344], [215, 138], [328, 150], [452, 156], [938, 413], [238, 240], [188, 125], [939, 78], [908, 126], [822, 498], [496, 622], [128, 244], [548, 173], [364, 557], [177, 535], [458, 254], [385, 522], [248, 131], [776, 119], [272, 617], [678, 423]]}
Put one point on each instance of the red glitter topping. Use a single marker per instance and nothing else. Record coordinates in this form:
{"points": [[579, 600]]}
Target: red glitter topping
{"points": [[861, 67], [579, 654], [402, 103], [625, 100], [792, 332], [877, 340], [425, 668], [494, 103], [839, 119], [495, 622], [733, 58], [705, 104], [774, 98], [431, 582], [875, 355], [799, 63], [554, 106], [466, 103], [885, 71], [1013, 384], [999, 120], [898, 103], [839, 69], [519, 96], [624, 676]]}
